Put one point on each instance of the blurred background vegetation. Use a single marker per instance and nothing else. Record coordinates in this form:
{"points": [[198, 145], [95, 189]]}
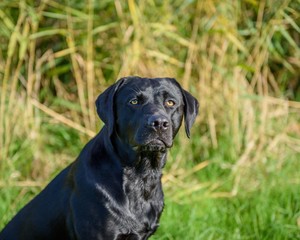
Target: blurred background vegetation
{"points": [[237, 178]]}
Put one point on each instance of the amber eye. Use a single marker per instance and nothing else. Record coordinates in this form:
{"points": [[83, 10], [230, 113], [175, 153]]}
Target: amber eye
{"points": [[170, 103], [134, 101]]}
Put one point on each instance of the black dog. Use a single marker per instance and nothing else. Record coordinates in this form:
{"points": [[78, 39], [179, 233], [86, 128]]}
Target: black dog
{"points": [[113, 190]]}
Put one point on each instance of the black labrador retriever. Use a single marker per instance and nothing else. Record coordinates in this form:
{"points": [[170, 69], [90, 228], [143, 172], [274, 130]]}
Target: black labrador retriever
{"points": [[113, 190]]}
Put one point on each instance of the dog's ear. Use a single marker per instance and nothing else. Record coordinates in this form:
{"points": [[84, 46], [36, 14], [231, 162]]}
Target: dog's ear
{"points": [[191, 108], [105, 105]]}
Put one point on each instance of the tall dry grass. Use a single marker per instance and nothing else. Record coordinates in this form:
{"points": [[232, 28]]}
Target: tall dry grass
{"points": [[239, 58]]}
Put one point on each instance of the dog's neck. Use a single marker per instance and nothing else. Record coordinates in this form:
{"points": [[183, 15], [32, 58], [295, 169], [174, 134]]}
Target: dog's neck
{"points": [[142, 181]]}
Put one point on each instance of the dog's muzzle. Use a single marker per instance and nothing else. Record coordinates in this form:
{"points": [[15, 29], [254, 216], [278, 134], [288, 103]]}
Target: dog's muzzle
{"points": [[154, 146]]}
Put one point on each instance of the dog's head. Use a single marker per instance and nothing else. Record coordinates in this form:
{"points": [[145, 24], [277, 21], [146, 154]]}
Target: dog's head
{"points": [[146, 113]]}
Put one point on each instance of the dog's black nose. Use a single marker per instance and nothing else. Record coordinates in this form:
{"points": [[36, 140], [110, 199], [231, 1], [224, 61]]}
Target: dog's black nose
{"points": [[158, 122]]}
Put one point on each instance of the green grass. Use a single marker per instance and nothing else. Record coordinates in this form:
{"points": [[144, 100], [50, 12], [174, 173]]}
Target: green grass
{"points": [[267, 206], [236, 178], [257, 215]]}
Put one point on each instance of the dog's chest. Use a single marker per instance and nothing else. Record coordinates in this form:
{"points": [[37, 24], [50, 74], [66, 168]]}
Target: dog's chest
{"points": [[144, 197]]}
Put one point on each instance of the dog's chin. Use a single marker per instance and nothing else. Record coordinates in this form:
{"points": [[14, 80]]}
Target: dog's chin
{"points": [[153, 146]]}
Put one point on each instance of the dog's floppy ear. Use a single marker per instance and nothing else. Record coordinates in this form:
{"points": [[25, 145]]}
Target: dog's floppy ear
{"points": [[105, 105], [191, 107]]}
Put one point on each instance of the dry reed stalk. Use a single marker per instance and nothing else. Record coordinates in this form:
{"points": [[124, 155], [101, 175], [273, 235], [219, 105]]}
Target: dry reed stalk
{"points": [[181, 174], [5, 123], [192, 50], [187, 191], [283, 102], [90, 65], [30, 73], [77, 73], [164, 57], [64, 52], [23, 41], [236, 128], [62, 119], [31, 121], [13, 116], [4, 90], [195, 169], [245, 157], [22, 184], [135, 48], [248, 122], [46, 57]]}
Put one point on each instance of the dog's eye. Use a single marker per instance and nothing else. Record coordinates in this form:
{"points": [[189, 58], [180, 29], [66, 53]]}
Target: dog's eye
{"points": [[170, 103], [134, 101]]}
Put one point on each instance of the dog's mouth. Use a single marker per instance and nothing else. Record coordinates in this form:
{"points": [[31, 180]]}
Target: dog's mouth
{"points": [[154, 146]]}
